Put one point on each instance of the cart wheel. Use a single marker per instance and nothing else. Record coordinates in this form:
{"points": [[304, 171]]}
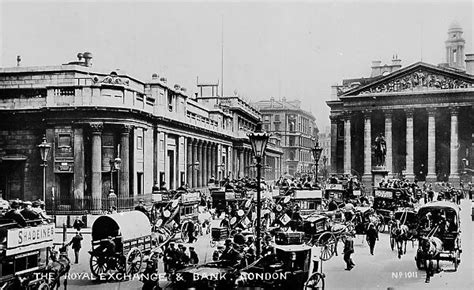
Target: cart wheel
{"points": [[98, 265], [43, 286], [134, 261], [456, 259], [392, 242], [315, 281], [213, 243], [327, 241]]}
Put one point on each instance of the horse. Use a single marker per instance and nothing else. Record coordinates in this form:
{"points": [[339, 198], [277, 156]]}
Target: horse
{"points": [[431, 248], [400, 233], [58, 267]]}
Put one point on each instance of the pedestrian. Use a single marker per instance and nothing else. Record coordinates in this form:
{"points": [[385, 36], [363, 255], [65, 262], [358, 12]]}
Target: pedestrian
{"points": [[348, 251], [170, 256], [78, 224], [76, 245], [193, 257], [372, 235]]}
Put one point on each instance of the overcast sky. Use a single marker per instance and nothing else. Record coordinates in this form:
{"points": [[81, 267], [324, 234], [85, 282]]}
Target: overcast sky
{"points": [[285, 49]]}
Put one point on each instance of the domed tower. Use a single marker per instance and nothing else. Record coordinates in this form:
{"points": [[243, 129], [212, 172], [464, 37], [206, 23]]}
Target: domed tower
{"points": [[455, 46]]}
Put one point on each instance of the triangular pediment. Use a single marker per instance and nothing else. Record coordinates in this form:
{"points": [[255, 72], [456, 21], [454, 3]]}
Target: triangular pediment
{"points": [[417, 77]]}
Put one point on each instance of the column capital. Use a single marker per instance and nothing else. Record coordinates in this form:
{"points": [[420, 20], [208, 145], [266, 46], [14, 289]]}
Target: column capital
{"points": [[431, 111], [347, 116], [409, 112], [334, 118], [97, 127], [454, 111], [367, 113], [388, 113], [126, 128]]}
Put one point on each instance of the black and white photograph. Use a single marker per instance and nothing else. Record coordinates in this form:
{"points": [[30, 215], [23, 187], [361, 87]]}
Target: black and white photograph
{"points": [[236, 144]]}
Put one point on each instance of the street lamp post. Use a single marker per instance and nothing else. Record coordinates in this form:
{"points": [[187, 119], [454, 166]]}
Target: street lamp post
{"points": [[316, 155], [258, 140], [44, 148], [115, 165]]}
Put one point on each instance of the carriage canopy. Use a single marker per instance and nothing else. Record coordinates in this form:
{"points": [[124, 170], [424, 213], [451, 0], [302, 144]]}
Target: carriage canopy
{"points": [[129, 225]]}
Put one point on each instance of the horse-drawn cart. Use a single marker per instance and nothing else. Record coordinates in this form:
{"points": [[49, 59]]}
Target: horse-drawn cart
{"points": [[119, 242], [438, 235]]}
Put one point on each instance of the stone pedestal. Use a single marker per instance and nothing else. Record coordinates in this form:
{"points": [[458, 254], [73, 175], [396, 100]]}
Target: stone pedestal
{"points": [[378, 173]]}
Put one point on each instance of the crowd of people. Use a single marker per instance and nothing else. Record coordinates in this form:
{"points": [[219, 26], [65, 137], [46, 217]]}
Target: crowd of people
{"points": [[26, 213]]}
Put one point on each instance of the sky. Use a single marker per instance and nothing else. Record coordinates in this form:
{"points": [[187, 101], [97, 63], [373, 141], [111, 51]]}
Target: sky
{"points": [[295, 50]]}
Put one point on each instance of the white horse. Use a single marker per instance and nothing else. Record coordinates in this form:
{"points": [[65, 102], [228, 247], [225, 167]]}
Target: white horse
{"points": [[431, 248]]}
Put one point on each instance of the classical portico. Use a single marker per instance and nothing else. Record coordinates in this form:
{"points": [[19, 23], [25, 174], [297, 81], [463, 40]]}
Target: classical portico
{"points": [[425, 114]]}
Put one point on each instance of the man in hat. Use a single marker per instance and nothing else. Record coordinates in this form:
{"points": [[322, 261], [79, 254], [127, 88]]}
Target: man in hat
{"points": [[372, 235], [170, 257], [14, 214], [141, 207], [348, 251], [28, 213], [216, 256], [76, 245], [230, 254], [36, 207]]}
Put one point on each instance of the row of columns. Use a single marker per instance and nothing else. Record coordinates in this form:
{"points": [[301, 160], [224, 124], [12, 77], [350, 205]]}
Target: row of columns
{"points": [[431, 175], [96, 165], [203, 162]]}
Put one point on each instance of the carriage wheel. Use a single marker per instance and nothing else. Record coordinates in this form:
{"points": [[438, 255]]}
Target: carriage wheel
{"points": [[327, 241], [392, 241], [43, 286], [98, 265], [133, 261], [315, 281], [184, 232], [381, 225]]}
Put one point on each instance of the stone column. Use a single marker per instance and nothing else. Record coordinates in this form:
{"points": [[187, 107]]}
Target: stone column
{"points": [[125, 156], [79, 168], [454, 148], [367, 177], [388, 141], [189, 162], [241, 163], [409, 146], [194, 169], [347, 144], [431, 174], [209, 162], [205, 164], [97, 164], [201, 164], [333, 161], [214, 161]]}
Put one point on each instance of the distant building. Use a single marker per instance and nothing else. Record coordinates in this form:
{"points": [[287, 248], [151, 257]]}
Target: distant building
{"points": [[297, 129], [424, 111], [325, 143]]}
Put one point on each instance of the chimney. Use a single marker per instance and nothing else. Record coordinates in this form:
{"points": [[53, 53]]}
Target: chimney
{"points": [[18, 60], [376, 68], [87, 58], [396, 63], [470, 63]]}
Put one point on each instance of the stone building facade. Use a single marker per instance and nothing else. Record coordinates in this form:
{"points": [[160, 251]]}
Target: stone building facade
{"points": [[425, 113], [297, 130], [91, 117]]}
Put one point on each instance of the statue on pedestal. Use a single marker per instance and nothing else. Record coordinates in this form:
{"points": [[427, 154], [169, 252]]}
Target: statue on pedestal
{"points": [[380, 149]]}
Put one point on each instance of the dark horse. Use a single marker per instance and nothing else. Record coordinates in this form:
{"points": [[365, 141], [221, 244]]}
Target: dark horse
{"points": [[58, 267], [431, 248], [380, 149], [400, 234]]}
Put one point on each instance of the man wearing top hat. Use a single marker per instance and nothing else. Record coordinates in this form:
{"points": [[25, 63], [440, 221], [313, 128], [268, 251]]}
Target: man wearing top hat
{"points": [[14, 214], [28, 213]]}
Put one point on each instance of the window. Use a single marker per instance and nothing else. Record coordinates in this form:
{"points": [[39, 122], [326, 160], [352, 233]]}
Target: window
{"points": [[277, 127], [139, 182], [266, 118], [139, 142], [267, 127], [291, 141], [277, 118], [170, 102], [64, 140]]}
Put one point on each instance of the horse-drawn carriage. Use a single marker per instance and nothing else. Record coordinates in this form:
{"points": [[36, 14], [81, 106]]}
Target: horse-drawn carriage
{"points": [[337, 192], [438, 235], [25, 253], [388, 200], [290, 267], [308, 201], [403, 228], [119, 242], [178, 212], [363, 216]]}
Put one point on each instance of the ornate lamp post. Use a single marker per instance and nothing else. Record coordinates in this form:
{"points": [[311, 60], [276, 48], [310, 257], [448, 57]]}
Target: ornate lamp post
{"points": [[44, 148], [258, 140], [316, 150]]}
